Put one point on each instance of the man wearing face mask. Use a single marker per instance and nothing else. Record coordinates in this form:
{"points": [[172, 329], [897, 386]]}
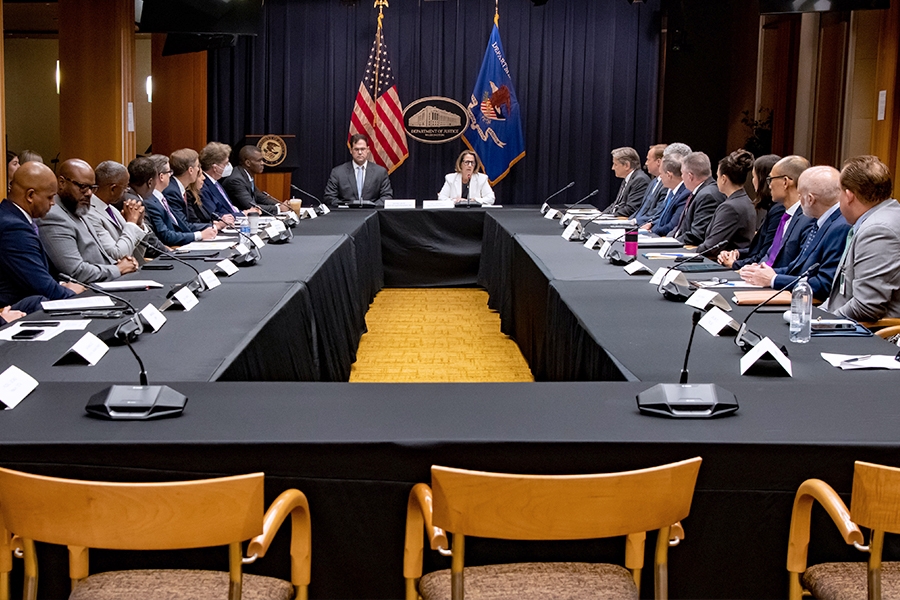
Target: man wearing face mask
{"points": [[71, 244], [214, 160]]}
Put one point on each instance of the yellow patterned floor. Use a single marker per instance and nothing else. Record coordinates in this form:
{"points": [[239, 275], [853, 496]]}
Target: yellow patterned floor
{"points": [[436, 335]]}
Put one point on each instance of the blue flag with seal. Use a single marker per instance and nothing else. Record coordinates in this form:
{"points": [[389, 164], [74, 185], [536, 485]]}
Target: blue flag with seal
{"points": [[495, 121]]}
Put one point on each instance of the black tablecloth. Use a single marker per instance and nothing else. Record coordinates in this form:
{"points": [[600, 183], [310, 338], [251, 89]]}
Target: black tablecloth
{"points": [[356, 450], [431, 248]]}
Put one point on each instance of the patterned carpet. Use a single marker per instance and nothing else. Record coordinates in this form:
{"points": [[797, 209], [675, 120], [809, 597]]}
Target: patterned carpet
{"points": [[436, 335]]}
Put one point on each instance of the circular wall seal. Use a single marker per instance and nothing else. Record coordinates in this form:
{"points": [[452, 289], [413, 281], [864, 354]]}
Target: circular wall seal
{"points": [[435, 120], [273, 149]]}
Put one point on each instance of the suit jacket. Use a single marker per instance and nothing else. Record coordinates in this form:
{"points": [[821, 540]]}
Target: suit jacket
{"points": [[341, 186], [793, 239], [73, 247], [699, 212], [180, 207], [762, 241], [170, 233], [215, 199], [825, 249], [118, 238], [632, 196], [24, 270], [197, 213], [243, 191], [655, 194], [867, 282], [734, 222], [479, 188], [671, 212]]}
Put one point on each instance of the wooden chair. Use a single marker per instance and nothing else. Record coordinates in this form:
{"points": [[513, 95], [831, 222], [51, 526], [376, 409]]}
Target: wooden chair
{"points": [[152, 516], [528, 507], [884, 328], [875, 504]]}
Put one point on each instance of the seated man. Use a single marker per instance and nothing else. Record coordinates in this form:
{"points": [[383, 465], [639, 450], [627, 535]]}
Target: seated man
{"points": [[118, 234], [656, 191], [24, 273], [215, 164], [241, 186], [70, 242], [358, 180], [626, 165], [674, 204], [820, 190], [701, 205], [867, 284], [169, 228]]}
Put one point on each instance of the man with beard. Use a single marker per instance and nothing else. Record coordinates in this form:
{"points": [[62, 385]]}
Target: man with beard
{"points": [[71, 244]]}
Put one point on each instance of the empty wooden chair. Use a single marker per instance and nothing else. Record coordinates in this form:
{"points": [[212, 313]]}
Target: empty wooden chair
{"points": [[874, 504], [529, 507], [153, 516]]}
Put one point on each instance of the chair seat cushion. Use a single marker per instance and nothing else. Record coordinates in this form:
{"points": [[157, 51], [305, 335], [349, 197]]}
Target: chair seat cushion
{"points": [[847, 581], [535, 581], [177, 584]]}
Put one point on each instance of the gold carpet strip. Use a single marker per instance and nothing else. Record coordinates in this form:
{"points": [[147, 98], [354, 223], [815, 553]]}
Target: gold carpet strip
{"points": [[436, 335]]}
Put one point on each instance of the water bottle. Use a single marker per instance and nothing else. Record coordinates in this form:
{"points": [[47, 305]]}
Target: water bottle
{"points": [[801, 312]]}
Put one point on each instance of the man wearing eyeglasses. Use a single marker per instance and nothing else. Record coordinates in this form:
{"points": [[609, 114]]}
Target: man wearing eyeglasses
{"points": [[359, 179], [70, 242], [792, 227]]}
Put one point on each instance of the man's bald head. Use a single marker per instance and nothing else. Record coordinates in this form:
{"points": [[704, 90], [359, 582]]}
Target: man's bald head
{"points": [[33, 187], [77, 183], [820, 189]]}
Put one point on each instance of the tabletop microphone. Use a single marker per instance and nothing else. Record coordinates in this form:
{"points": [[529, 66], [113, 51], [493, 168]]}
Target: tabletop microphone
{"points": [[557, 193], [747, 339], [695, 318], [591, 195], [128, 330], [251, 257], [196, 284], [289, 218], [318, 207]]}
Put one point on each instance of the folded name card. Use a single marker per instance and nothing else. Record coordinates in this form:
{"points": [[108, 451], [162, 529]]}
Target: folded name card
{"points": [[551, 214], [152, 318], [226, 267], [592, 241], [637, 268], [395, 204], [717, 322], [766, 348], [432, 204], [703, 298], [209, 279], [15, 385], [86, 351]]}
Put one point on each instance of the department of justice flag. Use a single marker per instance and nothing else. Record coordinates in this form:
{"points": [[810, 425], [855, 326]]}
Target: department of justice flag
{"points": [[495, 122], [378, 112]]}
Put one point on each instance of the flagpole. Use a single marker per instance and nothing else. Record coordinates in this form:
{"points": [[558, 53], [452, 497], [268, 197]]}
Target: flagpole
{"points": [[497, 13], [380, 5]]}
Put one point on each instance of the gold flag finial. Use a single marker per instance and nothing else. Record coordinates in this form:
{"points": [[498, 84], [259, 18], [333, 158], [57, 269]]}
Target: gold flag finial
{"points": [[381, 5], [497, 13]]}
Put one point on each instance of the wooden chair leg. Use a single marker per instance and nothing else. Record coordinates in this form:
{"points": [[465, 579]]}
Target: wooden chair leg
{"points": [[876, 543], [412, 591], [457, 581], [235, 573], [661, 573], [29, 591]]}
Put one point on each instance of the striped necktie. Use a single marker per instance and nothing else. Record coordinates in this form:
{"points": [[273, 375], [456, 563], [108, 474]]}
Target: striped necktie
{"points": [[809, 238]]}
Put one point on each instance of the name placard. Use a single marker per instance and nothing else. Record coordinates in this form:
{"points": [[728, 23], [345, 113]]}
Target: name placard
{"points": [[396, 204], [226, 267], [636, 267], [766, 347], [209, 278], [152, 318], [433, 204], [86, 351], [15, 385]]}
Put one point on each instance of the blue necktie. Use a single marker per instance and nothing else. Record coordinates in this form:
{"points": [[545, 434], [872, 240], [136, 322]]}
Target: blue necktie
{"points": [[360, 174], [809, 238]]}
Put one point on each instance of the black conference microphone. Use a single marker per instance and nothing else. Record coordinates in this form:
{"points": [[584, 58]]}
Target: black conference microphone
{"points": [[319, 208], [563, 221], [196, 284], [591, 195], [687, 400], [128, 330], [281, 237], [743, 339], [582, 230], [545, 206], [618, 257], [289, 218]]}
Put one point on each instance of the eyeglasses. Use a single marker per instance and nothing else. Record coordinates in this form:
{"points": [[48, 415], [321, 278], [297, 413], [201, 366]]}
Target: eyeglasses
{"points": [[771, 177], [169, 172], [468, 162], [81, 186]]}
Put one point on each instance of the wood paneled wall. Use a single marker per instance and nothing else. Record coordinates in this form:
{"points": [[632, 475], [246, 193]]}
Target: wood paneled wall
{"points": [[179, 99], [96, 61], [886, 133], [3, 182]]}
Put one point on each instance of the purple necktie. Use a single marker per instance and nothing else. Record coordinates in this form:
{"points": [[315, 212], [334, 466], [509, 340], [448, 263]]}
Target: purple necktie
{"points": [[779, 239], [112, 215], [168, 210], [227, 199], [34, 226]]}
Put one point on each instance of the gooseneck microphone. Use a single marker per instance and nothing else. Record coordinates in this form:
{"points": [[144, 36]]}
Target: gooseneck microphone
{"points": [[251, 257], [305, 193], [695, 318], [742, 340], [591, 195], [128, 330], [196, 284], [557, 193], [700, 255], [129, 311]]}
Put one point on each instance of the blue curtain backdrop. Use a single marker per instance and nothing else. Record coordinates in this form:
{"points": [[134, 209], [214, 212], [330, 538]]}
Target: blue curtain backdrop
{"points": [[585, 72]]}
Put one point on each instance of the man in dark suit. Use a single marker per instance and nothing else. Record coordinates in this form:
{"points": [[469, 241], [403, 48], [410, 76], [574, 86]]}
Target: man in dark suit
{"points": [[867, 285], [792, 225], [820, 191], [169, 228], [701, 205], [656, 191], [359, 179], [626, 164], [214, 160], [674, 204], [241, 186], [185, 165], [24, 272]]}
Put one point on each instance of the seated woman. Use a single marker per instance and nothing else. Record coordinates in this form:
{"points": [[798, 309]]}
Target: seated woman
{"points": [[198, 213], [468, 182], [734, 221]]}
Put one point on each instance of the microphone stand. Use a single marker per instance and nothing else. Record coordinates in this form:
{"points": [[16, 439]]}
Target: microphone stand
{"points": [[563, 221], [252, 256], [196, 284], [128, 330], [745, 343], [545, 206], [685, 400], [319, 208]]}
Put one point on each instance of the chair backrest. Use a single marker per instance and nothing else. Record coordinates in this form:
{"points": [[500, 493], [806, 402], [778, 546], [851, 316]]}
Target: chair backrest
{"points": [[875, 498], [562, 507], [132, 516]]}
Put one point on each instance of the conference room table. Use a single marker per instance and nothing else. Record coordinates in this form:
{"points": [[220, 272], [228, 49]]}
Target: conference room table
{"points": [[356, 450]]}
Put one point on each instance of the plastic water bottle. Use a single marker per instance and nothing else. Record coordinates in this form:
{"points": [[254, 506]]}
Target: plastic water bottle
{"points": [[801, 312]]}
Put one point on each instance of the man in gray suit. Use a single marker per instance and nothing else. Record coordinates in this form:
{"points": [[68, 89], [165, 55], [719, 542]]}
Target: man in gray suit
{"points": [[358, 180], [119, 233], [69, 241], [626, 165], [701, 205], [866, 285]]}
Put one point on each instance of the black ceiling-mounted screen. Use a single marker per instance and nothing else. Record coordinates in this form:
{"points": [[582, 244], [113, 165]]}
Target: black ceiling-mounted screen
{"points": [[768, 7], [240, 17]]}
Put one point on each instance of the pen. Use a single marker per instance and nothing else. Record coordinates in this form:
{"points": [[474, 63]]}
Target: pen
{"points": [[864, 357]]}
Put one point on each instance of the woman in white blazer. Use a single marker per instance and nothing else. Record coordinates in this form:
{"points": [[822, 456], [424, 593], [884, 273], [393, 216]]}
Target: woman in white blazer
{"points": [[468, 182]]}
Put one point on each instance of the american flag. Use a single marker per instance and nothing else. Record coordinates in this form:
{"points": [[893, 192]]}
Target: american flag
{"points": [[380, 119]]}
